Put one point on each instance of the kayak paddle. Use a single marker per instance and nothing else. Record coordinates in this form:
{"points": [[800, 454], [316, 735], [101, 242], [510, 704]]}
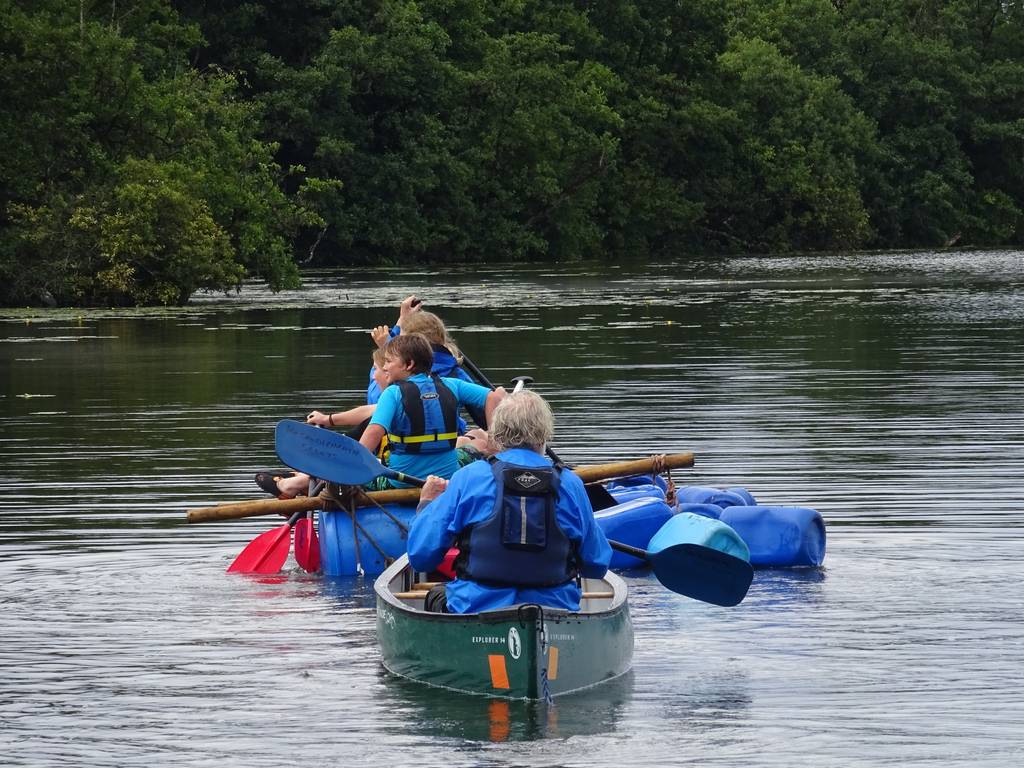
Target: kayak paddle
{"points": [[520, 382], [331, 456], [307, 545], [267, 552], [702, 573]]}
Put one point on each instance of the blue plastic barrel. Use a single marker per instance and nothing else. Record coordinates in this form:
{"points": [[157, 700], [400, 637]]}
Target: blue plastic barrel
{"points": [[744, 494], [626, 493], [779, 536], [699, 494], [633, 523], [704, 510], [635, 481], [339, 553]]}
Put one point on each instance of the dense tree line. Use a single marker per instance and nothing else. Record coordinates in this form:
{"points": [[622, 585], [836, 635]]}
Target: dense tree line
{"points": [[154, 148]]}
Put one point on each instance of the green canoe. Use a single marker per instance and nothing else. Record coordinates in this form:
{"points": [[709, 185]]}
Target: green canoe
{"points": [[520, 652]]}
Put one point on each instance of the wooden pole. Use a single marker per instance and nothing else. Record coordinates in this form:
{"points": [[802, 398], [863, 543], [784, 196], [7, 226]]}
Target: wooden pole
{"points": [[288, 507]]}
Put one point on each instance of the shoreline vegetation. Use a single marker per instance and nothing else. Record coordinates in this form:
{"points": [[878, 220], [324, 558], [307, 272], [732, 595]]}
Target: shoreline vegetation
{"points": [[156, 149]]}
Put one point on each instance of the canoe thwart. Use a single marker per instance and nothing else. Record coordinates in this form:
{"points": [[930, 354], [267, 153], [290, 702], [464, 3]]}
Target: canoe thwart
{"points": [[419, 592]]}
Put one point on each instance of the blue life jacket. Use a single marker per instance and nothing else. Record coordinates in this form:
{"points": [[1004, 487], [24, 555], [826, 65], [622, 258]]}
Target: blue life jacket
{"points": [[445, 364], [521, 544], [429, 424]]}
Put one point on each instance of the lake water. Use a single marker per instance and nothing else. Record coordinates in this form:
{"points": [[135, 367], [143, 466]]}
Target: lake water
{"points": [[883, 390]]}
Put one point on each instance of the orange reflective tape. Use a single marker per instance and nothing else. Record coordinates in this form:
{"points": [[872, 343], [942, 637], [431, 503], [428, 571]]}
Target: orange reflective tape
{"points": [[499, 675], [552, 663]]}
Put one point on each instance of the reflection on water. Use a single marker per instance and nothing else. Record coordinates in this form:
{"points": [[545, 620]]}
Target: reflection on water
{"points": [[442, 713], [881, 389]]}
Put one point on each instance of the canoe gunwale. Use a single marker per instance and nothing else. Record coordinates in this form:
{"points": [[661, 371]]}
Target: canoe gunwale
{"points": [[399, 568]]}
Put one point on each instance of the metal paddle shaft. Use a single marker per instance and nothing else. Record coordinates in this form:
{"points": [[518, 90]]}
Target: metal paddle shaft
{"points": [[330, 456], [701, 573], [267, 552]]}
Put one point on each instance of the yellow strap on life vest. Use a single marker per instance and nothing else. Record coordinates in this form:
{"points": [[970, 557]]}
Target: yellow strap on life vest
{"points": [[423, 438]]}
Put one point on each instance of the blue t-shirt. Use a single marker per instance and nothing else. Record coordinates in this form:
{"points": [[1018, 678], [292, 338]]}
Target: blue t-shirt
{"points": [[470, 499], [389, 413]]}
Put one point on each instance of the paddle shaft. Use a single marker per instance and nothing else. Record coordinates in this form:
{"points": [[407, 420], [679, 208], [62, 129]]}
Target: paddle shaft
{"points": [[484, 381], [258, 507], [476, 372], [626, 549]]}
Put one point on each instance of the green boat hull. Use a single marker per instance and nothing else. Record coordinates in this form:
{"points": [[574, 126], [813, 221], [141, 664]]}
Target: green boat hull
{"points": [[523, 652]]}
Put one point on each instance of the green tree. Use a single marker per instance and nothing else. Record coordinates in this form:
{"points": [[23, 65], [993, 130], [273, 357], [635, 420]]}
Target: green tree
{"points": [[792, 175], [97, 121]]}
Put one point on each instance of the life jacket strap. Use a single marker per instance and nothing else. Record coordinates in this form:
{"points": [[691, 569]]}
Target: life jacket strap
{"points": [[436, 437]]}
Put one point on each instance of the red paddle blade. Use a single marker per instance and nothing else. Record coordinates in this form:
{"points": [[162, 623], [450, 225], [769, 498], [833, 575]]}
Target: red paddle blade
{"points": [[264, 554], [307, 546]]}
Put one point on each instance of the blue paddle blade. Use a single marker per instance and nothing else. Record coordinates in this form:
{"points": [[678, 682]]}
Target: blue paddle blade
{"points": [[325, 454], [703, 573]]}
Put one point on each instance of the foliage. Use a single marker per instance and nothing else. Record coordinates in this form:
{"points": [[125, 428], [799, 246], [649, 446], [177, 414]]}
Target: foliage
{"points": [[130, 178], [153, 149]]}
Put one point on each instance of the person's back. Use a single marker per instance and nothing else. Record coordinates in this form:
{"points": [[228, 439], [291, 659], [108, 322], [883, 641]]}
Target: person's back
{"points": [[524, 528]]}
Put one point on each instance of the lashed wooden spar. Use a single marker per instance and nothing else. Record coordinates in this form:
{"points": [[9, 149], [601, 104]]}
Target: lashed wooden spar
{"points": [[288, 507]]}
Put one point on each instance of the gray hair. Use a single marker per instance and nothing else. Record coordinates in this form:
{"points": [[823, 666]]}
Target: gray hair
{"points": [[522, 419]]}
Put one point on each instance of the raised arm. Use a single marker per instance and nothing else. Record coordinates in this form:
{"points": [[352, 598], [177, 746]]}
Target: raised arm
{"points": [[494, 397], [409, 305]]}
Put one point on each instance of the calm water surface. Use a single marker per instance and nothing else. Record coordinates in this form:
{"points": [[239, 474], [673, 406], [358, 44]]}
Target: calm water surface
{"points": [[883, 390]]}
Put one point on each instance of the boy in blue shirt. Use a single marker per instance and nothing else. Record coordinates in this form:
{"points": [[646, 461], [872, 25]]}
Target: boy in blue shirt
{"points": [[418, 411]]}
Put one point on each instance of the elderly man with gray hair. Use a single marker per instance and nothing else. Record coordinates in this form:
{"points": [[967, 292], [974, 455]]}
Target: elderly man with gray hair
{"points": [[524, 528]]}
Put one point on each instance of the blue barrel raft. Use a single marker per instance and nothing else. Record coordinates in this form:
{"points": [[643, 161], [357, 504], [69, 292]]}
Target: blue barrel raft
{"points": [[779, 536], [775, 536]]}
